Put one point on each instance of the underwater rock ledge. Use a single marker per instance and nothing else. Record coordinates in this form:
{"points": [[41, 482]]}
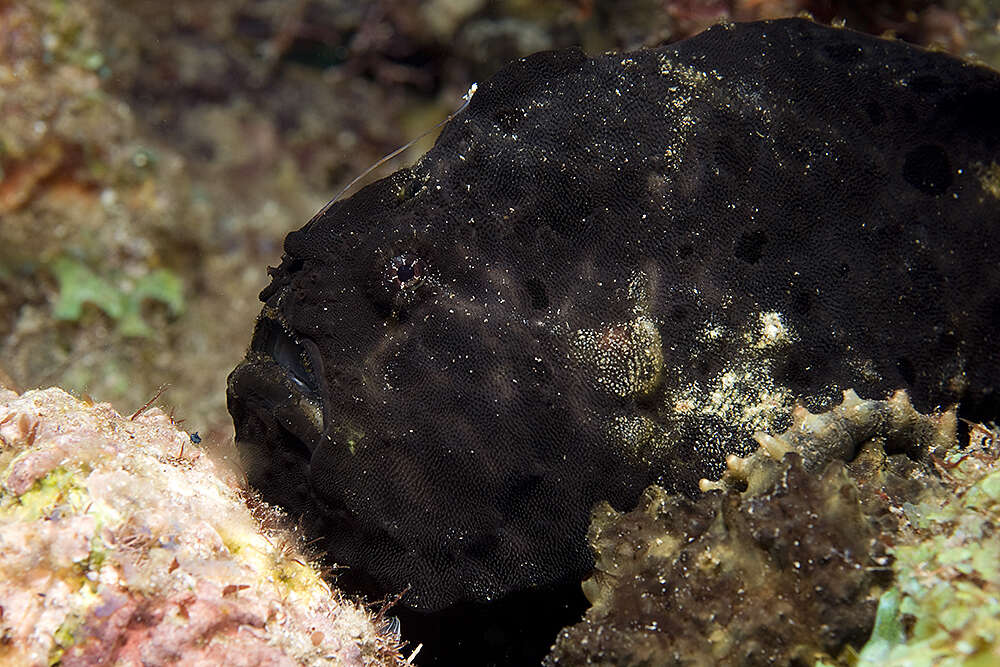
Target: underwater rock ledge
{"points": [[869, 515], [121, 542]]}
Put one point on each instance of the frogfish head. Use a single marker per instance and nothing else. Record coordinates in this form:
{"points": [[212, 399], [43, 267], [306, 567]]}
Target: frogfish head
{"points": [[408, 392]]}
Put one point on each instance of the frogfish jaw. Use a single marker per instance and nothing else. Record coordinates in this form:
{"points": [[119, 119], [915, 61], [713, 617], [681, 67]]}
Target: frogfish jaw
{"points": [[278, 426]]}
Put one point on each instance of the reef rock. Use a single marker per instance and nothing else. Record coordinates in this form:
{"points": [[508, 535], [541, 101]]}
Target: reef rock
{"points": [[121, 542]]}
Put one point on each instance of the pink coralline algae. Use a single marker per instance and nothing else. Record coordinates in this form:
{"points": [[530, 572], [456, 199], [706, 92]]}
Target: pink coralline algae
{"points": [[121, 542]]}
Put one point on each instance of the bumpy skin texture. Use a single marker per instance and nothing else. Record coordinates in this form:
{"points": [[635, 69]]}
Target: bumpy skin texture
{"points": [[609, 272]]}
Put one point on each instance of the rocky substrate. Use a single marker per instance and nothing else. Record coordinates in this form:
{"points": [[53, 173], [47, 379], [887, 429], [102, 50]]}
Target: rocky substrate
{"points": [[122, 543]]}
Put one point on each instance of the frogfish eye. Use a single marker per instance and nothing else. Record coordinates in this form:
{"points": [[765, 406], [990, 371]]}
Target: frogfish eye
{"points": [[272, 340], [405, 272]]}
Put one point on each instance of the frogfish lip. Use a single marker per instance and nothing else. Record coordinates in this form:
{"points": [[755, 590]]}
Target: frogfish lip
{"points": [[259, 389], [280, 381]]}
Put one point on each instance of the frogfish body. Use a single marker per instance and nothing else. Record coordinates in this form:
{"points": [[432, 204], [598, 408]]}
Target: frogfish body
{"points": [[610, 272]]}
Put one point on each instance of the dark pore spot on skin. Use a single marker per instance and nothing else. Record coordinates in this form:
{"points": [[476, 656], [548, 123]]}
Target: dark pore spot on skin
{"points": [[536, 291], [608, 273], [750, 246], [843, 52], [875, 113], [927, 169]]}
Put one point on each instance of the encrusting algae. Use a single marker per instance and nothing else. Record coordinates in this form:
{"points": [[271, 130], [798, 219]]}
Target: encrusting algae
{"points": [[869, 515]]}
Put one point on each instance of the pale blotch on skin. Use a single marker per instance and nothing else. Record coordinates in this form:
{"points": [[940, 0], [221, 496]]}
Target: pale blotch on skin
{"points": [[624, 359], [989, 178], [744, 395]]}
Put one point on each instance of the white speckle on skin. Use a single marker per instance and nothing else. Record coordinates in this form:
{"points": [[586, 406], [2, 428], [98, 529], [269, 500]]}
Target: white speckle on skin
{"points": [[773, 330]]}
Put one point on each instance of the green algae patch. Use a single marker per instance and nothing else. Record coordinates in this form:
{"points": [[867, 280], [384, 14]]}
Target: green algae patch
{"points": [[85, 599], [888, 631], [985, 494], [120, 299]]}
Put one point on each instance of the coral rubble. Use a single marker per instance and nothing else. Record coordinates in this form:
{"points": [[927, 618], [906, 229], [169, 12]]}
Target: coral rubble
{"points": [[122, 542]]}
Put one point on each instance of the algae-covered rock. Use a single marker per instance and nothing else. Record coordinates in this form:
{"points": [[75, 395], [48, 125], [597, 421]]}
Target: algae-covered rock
{"points": [[121, 542], [784, 560]]}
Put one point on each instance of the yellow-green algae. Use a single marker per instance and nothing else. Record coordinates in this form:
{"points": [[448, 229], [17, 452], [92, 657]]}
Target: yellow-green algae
{"points": [[59, 487], [944, 606]]}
